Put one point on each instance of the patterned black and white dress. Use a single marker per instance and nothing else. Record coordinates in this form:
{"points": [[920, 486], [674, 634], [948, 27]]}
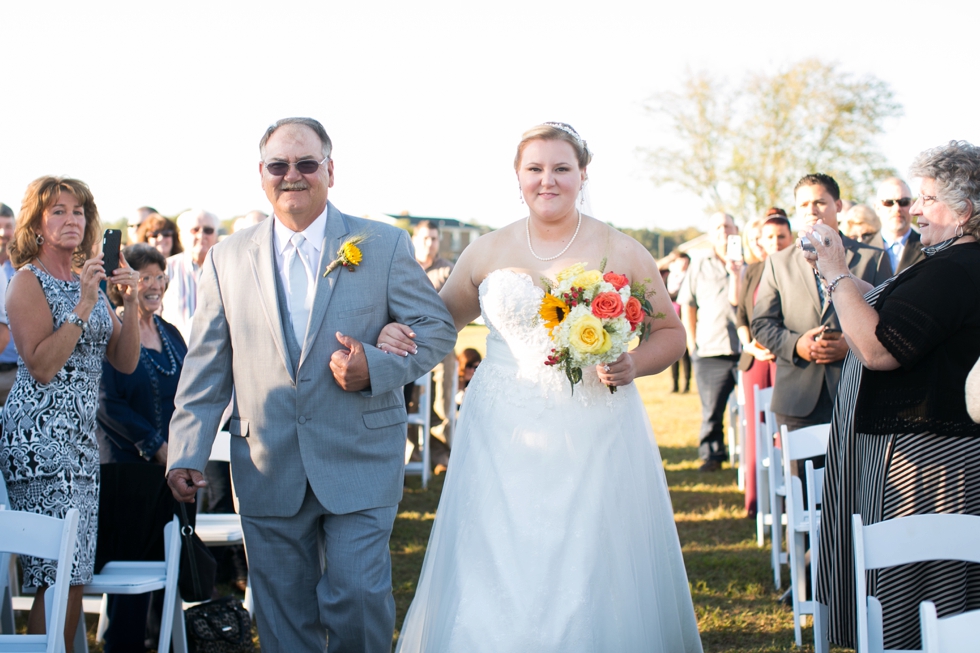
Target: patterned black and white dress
{"points": [[885, 477], [49, 456]]}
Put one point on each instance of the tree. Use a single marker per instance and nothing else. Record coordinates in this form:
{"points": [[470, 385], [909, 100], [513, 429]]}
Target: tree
{"points": [[742, 149]]}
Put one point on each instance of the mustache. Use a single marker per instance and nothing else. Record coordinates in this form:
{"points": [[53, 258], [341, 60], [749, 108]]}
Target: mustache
{"points": [[298, 185]]}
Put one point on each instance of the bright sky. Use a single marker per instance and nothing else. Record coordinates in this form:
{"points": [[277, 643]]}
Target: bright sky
{"points": [[164, 103]]}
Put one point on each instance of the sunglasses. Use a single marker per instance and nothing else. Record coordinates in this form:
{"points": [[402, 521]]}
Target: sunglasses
{"points": [[207, 230], [304, 167], [166, 233], [905, 201]]}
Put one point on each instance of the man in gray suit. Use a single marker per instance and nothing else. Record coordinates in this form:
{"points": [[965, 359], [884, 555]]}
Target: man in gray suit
{"points": [[794, 319], [318, 426], [897, 237]]}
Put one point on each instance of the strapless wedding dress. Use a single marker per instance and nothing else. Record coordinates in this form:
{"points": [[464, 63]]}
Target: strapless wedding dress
{"points": [[555, 531]]}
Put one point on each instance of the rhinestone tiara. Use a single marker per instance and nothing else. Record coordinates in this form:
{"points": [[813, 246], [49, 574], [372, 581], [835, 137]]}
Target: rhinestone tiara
{"points": [[568, 129]]}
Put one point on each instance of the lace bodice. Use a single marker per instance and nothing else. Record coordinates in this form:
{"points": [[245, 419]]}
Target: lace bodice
{"points": [[518, 345]]}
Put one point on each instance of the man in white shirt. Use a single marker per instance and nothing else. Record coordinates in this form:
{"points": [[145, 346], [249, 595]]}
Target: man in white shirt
{"points": [[897, 237], [198, 233]]}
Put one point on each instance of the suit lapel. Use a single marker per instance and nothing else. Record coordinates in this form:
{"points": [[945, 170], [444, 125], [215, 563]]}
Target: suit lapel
{"points": [[263, 261], [333, 236], [910, 252], [807, 279]]}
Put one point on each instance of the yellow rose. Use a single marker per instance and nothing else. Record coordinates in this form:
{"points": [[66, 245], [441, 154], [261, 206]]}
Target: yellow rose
{"points": [[570, 272], [587, 279], [587, 336]]}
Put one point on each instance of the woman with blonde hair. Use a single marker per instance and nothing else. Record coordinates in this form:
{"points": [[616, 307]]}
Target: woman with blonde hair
{"points": [[63, 327], [555, 530]]}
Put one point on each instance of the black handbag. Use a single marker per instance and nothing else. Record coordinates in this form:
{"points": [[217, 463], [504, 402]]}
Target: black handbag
{"points": [[197, 566], [219, 626]]}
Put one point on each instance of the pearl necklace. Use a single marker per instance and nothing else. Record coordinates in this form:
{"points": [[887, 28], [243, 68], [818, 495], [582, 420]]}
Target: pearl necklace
{"points": [[527, 229]]}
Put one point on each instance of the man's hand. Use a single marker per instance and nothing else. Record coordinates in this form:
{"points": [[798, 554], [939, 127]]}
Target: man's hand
{"points": [[350, 368], [184, 483], [804, 346], [830, 348]]}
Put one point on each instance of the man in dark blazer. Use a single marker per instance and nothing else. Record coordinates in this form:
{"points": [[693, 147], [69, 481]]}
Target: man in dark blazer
{"points": [[897, 237], [794, 321]]}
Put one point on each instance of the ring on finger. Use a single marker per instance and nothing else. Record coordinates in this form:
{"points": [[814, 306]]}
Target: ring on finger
{"points": [[826, 241], [606, 368]]}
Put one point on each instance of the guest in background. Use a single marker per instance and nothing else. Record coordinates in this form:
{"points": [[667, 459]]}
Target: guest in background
{"points": [[132, 427], [161, 233], [677, 265], [758, 364], [141, 214], [469, 359], [707, 300], [426, 239], [63, 327], [861, 224], [752, 250], [198, 233], [897, 236], [250, 219], [902, 442], [8, 354]]}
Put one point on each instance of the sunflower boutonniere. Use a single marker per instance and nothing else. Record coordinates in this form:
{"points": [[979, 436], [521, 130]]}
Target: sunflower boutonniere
{"points": [[349, 255]]}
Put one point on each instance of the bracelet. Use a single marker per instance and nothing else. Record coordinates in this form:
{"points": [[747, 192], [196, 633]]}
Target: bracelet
{"points": [[832, 286]]}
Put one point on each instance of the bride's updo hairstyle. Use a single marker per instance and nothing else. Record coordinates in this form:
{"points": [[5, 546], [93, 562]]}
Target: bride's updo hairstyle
{"points": [[555, 131]]}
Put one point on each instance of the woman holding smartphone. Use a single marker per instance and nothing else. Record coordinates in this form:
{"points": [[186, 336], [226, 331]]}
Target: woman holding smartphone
{"points": [[63, 327]]}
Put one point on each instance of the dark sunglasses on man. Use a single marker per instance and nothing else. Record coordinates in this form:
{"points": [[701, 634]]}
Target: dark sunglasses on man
{"points": [[304, 167], [207, 230], [903, 202]]}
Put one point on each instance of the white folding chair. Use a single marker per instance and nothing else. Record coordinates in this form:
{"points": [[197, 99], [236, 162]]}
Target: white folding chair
{"points": [[814, 491], [901, 541], [27, 533], [763, 514], [8, 571], [799, 445], [423, 420], [954, 634], [736, 429], [777, 495], [124, 577], [224, 529]]}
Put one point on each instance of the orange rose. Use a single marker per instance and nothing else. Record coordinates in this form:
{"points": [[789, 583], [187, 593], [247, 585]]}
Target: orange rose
{"points": [[617, 280], [634, 311], [607, 305]]}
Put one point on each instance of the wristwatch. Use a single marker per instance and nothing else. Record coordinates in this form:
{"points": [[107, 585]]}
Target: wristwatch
{"points": [[77, 321]]}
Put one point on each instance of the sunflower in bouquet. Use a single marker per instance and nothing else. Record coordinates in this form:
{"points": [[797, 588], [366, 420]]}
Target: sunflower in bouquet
{"points": [[591, 318]]}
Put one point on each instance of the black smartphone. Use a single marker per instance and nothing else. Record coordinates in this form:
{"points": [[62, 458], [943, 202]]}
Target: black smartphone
{"points": [[830, 333], [111, 241]]}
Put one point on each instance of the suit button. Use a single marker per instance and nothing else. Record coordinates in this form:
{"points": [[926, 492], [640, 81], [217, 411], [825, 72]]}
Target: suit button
{"points": [[302, 420]]}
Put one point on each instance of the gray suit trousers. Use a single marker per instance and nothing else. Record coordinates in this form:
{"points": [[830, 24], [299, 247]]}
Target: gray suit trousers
{"points": [[350, 602]]}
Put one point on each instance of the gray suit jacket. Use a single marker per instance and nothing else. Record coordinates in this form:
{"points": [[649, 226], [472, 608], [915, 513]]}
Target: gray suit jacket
{"points": [[911, 254], [292, 424], [788, 305]]}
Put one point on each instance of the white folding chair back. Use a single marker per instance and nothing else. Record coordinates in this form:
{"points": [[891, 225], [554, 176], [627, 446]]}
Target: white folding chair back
{"points": [[814, 491], [119, 577], [901, 541], [763, 515], [736, 421], [27, 533], [777, 494], [799, 445], [8, 574], [954, 634], [423, 420]]}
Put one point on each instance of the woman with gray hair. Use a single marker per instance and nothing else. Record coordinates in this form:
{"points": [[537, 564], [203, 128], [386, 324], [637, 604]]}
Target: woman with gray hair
{"points": [[902, 442]]}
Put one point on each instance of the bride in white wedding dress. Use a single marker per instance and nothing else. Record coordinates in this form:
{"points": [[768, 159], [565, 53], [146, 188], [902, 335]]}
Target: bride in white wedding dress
{"points": [[555, 531]]}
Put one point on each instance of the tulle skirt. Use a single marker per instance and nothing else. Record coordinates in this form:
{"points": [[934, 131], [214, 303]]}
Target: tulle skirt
{"points": [[555, 530]]}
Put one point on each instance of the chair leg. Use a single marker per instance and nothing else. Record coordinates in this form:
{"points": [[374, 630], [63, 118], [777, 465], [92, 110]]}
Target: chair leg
{"points": [[103, 619], [178, 631], [81, 636], [777, 542], [173, 608], [821, 635], [797, 568]]}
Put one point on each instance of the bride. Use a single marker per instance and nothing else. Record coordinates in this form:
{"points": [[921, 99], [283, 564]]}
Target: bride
{"points": [[555, 530]]}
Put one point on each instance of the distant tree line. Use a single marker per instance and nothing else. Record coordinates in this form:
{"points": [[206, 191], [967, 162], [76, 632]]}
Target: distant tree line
{"points": [[661, 243]]}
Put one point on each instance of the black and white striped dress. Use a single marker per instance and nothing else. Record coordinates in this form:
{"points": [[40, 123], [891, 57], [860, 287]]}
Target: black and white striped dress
{"points": [[883, 477]]}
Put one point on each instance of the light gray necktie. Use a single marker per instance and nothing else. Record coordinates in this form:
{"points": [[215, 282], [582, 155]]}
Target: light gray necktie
{"points": [[299, 284]]}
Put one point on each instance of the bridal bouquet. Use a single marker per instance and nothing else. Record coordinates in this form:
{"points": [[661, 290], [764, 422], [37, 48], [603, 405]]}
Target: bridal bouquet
{"points": [[592, 317]]}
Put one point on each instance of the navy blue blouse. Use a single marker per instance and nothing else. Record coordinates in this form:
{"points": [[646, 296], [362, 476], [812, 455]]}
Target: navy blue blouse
{"points": [[129, 428]]}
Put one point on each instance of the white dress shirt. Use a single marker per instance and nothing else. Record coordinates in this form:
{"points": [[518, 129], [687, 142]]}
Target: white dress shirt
{"points": [[310, 250]]}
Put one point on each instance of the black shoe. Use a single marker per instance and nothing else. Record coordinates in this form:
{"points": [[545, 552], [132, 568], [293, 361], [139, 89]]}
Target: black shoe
{"points": [[674, 390], [710, 466]]}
